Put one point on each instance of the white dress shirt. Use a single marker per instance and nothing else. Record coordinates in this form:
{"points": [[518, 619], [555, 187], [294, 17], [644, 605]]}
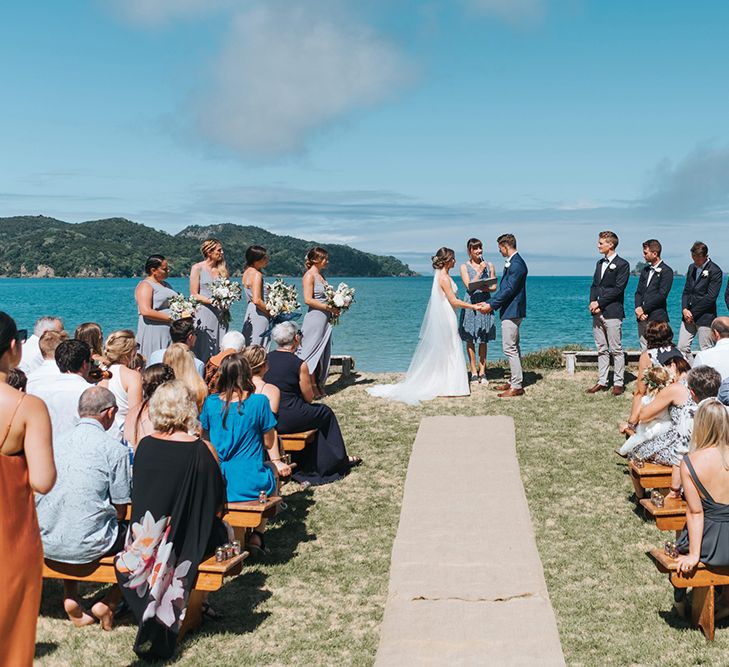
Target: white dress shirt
{"points": [[717, 357], [605, 263], [652, 271], [38, 377], [60, 393], [32, 357]]}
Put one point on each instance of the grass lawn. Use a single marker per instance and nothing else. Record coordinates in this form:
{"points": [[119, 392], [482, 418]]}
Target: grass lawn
{"points": [[318, 599]]}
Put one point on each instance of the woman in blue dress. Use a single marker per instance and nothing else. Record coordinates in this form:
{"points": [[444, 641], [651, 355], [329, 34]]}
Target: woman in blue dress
{"points": [[475, 326]]}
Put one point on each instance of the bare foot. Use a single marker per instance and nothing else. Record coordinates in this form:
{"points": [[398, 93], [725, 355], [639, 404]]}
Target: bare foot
{"points": [[105, 614], [77, 614]]}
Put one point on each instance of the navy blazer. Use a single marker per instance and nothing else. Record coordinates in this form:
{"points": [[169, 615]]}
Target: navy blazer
{"points": [[699, 296], [510, 298], [609, 290], [651, 297]]}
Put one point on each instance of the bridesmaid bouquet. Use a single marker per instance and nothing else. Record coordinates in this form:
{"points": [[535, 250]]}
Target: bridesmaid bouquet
{"points": [[223, 294], [182, 306], [341, 298], [282, 300]]}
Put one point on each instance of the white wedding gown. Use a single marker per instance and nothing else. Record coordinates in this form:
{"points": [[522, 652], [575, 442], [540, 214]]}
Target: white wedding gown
{"points": [[438, 367]]}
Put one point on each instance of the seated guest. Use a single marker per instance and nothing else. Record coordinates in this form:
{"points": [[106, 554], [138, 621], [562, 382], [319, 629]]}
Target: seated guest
{"points": [[138, 423], [17, 379], [49, 341], [723, 394], [82, 518], [120, 350], [232, 342], [681, 399], [325, 460], [705, 480], [32, 356], [177, 496], [179, 358], [90, 333], [61, 392], [717, 356], [181, 331]]}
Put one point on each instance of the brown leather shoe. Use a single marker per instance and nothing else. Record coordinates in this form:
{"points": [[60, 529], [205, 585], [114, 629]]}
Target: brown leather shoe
{"points": [[596, 389], [511, 392], [618, 391], [502, 387]]}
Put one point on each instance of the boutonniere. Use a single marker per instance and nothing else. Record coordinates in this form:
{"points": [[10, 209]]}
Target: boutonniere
{"points": [[705, 273], [612, 267], [507, 265]]}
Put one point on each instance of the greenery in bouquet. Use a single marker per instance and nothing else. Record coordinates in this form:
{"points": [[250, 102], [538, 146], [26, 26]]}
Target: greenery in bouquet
{"points": [[223, 294], [282, 300], [183, 306], [342, 297]]}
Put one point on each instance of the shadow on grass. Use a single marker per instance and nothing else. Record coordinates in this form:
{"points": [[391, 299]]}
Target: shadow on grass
{"points": [[288, 529], [496, 373], [42, 649], [341, 383]]}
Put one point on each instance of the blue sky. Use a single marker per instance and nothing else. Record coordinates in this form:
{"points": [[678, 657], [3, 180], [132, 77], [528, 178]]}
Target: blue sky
{"points": [[396, 127]]}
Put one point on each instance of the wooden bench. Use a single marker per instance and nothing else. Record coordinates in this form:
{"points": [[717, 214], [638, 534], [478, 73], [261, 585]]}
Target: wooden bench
{"points": [[703, 580], [295, 442], [210, 576], [245, 516], [574, 358], [650, 475], [672, 516], [344, 362]]}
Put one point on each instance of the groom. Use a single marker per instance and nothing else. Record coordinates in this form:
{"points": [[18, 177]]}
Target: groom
{"points": [[510, 300]]}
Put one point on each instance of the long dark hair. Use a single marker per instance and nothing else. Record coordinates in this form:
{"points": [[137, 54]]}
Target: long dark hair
{"points": [[255, 253], [235, 378], [152, 377], [153, 262], [8, 332]]}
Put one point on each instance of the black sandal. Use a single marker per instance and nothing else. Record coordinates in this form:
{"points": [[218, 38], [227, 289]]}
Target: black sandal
{"points": [[354, 461], [209, 614], [257, 549]]}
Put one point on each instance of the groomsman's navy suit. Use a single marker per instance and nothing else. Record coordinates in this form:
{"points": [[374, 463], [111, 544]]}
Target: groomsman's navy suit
{"points": [[510, 301], [654, 286], [608, 289], [700, 293]]}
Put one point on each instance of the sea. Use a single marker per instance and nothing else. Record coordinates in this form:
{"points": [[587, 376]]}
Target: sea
{"points": [[380, 330]]}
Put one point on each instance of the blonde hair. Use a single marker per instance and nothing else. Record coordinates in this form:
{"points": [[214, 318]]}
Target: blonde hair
{"points": [[711, 428], [206, 247], [255, 355], [172, 408], [120, 347], [656, 378], [179, 358]]}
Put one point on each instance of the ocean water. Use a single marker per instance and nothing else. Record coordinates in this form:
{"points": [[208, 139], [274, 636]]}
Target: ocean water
{"points": [[380, 330]]}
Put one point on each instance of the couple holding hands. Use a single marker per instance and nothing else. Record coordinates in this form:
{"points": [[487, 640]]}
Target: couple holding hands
{"points": [[438, 367]]}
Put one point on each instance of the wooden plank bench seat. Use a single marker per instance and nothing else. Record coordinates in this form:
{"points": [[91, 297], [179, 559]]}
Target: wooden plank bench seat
{"points": [[574, 358], [703, 580], [210, 577], [650, 475], [295, 442], [245, 516], [672, 516]]}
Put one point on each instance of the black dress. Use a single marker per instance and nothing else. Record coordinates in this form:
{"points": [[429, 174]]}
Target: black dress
{"points": [[178, 489], [325, 460], [715, 542]]}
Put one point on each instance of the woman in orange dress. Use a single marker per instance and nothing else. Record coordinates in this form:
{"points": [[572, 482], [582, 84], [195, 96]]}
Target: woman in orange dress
{"points": [[26, 465]]}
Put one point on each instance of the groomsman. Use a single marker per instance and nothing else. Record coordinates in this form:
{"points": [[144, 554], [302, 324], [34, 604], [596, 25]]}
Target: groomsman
{"points": [[510, 301], [607, 295], [703, 284], [654, 286]]}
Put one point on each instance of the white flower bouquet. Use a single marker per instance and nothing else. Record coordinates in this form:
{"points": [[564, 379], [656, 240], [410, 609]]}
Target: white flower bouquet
{"points": [[342, 297], [223, 294], [282, 300], [182, 306]]}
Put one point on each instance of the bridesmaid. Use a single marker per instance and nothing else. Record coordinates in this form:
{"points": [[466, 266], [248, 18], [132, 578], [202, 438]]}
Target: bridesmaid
{"points": [[476, 326], [26, 465], [257, 321], [210, 327], [153, 296], [316, 330]]}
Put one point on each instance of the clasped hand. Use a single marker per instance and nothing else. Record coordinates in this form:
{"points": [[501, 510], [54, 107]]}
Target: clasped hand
{"points": [[687, 564], [484, 308]]}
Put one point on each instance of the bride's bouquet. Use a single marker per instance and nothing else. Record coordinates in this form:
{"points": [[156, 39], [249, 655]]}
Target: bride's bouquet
{"points": [[223, 294], [182, 306], [282, 300], [341, 298]]}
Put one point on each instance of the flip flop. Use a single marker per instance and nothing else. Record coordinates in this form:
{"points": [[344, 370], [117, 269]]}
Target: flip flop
{"points": [[354, 461]]}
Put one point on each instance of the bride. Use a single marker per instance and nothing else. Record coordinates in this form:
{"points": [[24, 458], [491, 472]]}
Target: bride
{"points": [[438, 367]]}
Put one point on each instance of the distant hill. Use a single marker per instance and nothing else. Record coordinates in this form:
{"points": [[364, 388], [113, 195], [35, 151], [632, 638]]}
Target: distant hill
{"points": [[116, 247]]}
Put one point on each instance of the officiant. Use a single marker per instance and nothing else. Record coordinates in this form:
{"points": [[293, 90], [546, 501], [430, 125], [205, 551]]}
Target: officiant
{"points": [[475, 327]]}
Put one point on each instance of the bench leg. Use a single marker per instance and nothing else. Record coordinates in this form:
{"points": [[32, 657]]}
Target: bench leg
{"points": [[702, 610], [193, 615]]}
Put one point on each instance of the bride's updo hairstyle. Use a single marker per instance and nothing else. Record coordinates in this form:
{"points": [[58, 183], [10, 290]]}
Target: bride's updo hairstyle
{"points": [[210, 245], [153, 262], [255, 253], [315, 255], [443, 258]]}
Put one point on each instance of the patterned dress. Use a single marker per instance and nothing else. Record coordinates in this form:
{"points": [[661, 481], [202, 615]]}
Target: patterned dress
{"points": [[669, 448], [475, 327]]}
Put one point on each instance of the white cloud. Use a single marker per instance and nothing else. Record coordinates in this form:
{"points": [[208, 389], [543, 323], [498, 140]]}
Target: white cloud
{"points": [[513, 11], [288, 71], [157, 12]]}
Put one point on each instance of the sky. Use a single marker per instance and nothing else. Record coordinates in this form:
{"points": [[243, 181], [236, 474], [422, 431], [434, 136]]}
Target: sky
{"points": [[395, 127]]}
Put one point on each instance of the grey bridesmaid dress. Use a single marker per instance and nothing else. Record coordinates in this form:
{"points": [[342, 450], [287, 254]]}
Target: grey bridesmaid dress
{"points": [[209, 326], [316, 338], [153, 335], [256, 326]]}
